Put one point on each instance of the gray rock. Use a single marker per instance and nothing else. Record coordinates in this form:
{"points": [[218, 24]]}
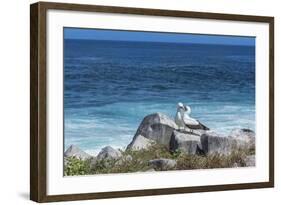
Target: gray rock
{"points": [[245, 138], [250, 161], [213, 133], [123, 160], [238, 139], [93, 162], [215, 144], [185, 142], [109, 153], [128, 158], [74, 151], [245, 133], [162, 164], [201, 132], [140, 142], [157, 127]]}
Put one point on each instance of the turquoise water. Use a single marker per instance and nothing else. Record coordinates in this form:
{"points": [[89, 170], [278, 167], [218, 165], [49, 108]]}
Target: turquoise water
{"points": [[110, 86]]}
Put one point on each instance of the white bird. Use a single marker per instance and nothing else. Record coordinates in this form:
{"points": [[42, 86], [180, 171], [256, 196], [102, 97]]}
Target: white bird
{"points": [[183, 120], [190, 122], [179, 116]]}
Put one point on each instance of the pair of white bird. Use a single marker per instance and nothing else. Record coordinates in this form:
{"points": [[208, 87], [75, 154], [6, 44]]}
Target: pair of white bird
{"points": [[183, 120]]}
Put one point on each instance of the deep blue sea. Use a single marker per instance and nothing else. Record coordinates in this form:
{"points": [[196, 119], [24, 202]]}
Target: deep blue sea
{"points": [[110, 86]]}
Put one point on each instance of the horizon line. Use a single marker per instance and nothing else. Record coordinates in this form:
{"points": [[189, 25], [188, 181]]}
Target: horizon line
{"points": [[155, 36], [174, 42]]}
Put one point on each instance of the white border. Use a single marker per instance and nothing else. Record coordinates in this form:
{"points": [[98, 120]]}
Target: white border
{"points": [[57, 184]]}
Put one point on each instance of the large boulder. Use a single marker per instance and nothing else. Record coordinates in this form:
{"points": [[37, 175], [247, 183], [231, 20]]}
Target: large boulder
{"points": [[140, 142], [245, 138], [185, 142], [216, 144], [74, 151], [109, 153], [157, 127], [162, 164]]}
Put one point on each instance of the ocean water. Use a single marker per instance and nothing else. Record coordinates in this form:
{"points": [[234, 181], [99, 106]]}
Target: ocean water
{"points": [[110, 86]]}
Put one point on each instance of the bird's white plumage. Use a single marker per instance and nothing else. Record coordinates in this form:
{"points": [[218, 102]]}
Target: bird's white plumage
{"points": [[188, 120], [178, 118]]}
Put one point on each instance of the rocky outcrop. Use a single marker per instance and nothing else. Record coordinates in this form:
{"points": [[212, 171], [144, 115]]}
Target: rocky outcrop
{"points": [[109, 153], [245, 138], [157, 127], [162, 164], [140, 142], [74, 151], [187, 143], [215, 144]]}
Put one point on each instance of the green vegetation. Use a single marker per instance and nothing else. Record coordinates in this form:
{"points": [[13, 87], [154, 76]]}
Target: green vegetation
{"points": [[237, 158], [137, 161], [76, 166]]}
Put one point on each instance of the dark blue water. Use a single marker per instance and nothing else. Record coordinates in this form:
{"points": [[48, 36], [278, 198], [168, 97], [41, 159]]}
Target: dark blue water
{"points": [[109, 86]]}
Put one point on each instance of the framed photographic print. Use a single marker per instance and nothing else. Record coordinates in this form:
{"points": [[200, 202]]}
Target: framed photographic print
{"points": [[134, 102]]}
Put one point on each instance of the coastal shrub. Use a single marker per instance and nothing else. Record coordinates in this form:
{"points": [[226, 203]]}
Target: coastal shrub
{"points": [[137, 161], [153, 152], [176, 154], [76, 166], [102, 166], [236, 158]]}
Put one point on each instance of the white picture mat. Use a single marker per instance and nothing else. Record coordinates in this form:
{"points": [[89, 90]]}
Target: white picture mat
{"points": [[57, 184]]}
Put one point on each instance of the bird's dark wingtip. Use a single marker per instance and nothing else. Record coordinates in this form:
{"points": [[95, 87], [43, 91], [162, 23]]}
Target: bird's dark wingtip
{"points": [[204, 127]]}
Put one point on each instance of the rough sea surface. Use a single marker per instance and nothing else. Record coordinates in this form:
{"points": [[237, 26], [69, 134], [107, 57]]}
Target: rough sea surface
{"points": [[110, 86]]}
